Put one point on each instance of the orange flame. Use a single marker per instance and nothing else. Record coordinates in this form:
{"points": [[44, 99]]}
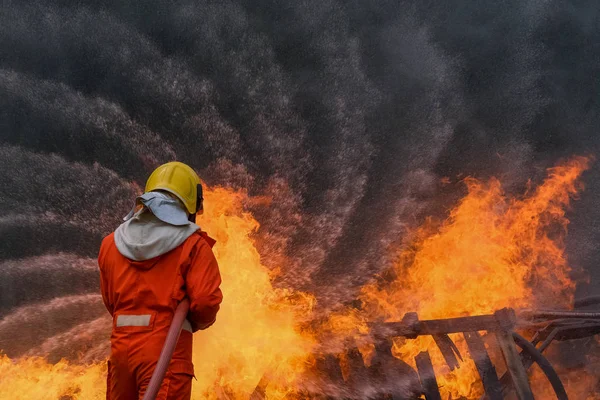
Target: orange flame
{"points": [[255, 334], [492, 252], [34, 378]]}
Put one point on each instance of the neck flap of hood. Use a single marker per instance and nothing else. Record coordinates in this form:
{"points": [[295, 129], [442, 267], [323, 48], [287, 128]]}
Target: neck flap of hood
{"points": [[144, 236]]}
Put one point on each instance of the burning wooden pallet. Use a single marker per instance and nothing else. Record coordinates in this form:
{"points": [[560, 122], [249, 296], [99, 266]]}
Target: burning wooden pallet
{"points": [[548, 326], [554, 325]]}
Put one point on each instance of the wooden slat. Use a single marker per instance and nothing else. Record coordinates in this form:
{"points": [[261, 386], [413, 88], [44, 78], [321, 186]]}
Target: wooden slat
{"points": [[445, 326], [427, 376], [260, 392], [487, 371], [516, 369], [449, 350]]}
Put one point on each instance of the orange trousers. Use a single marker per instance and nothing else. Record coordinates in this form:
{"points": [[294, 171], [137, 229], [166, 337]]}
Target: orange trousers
{"points": [[142, 296], [130, 369]]}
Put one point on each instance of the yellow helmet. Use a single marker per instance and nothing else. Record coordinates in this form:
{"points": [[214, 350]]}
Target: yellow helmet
{"points": [[181, 180]]}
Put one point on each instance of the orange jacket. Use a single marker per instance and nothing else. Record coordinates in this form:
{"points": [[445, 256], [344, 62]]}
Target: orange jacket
{"points": [[142, 296], [159, 284]]}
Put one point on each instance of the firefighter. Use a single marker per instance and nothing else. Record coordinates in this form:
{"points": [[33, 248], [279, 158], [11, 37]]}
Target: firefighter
{"points": [[152, 261]]}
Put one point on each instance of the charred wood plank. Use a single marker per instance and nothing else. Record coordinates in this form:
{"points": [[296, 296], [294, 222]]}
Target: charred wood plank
{"points": [[514, 366], [260, 392], [484, 365], [448, 350], [535, 314], [578, 331], [444, 326], [527, 361], [516, 370], [566, 329], [427, 376], [457, 325]]}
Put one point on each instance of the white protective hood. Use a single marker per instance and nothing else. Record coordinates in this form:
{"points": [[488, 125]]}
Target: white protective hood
{"points": [[144, 236]]}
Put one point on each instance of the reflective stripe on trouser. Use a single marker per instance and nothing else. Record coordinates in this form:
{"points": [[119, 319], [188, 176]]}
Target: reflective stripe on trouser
{"points": [[144, 320]]}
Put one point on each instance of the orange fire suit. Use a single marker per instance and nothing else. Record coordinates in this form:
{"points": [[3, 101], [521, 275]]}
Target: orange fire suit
{"points": [[142, 296]]}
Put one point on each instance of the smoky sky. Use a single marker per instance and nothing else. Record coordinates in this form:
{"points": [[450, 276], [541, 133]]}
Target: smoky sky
{"points": [[348, 114]]}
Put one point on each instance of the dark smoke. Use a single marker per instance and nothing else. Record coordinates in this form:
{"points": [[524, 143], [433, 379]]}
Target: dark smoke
{"points": [[348, 113]]}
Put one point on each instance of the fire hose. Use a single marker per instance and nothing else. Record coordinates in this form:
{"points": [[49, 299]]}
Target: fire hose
{"points": [[167, 351], [544, 365]]}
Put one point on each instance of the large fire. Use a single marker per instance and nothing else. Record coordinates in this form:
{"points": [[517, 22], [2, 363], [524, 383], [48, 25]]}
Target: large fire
{"points": [[492, 252], [255, 334]]}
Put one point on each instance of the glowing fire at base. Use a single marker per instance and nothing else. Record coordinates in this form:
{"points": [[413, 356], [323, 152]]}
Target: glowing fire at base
{"points": [[34, 378], [493, 251], [255, 332]]}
